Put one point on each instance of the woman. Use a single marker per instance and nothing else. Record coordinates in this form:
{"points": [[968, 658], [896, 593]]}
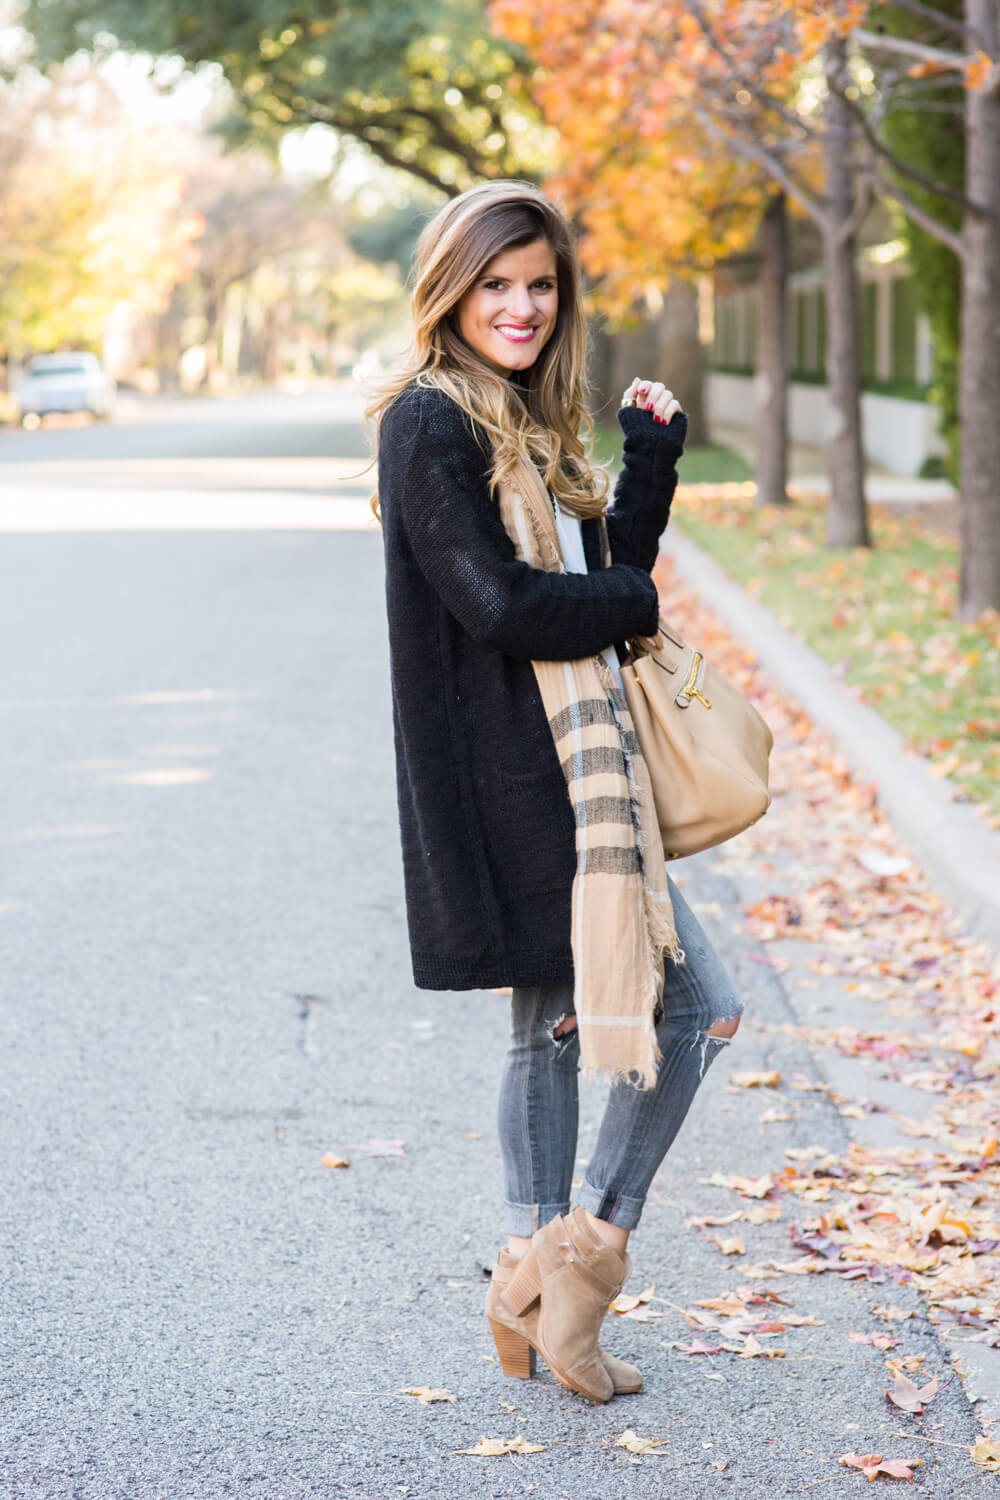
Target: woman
{"points": [[531, 857]]}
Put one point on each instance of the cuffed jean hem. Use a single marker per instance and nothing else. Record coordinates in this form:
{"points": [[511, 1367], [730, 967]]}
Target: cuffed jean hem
{"points": [[625, 1212], [522, 1219]]}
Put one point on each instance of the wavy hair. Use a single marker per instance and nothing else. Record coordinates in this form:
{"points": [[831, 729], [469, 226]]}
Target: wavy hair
{"points": [[538, 412]]}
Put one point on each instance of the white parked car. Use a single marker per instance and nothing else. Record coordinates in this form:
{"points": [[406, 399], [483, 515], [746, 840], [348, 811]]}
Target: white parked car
{"points": [[64, 383]]}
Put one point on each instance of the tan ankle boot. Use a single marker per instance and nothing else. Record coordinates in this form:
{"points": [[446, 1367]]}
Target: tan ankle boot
{"points": [[517, 1353], [573, 1290]]}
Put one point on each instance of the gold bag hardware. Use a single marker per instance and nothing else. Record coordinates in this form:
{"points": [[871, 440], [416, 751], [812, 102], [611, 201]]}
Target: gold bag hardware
{"points": [[706, 746]]}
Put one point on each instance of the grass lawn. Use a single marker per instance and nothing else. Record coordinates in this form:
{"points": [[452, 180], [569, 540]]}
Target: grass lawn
{"points": [[883, 617]]}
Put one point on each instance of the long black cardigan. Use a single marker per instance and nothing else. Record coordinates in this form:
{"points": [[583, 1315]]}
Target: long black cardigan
{"points": [[487, 829]]}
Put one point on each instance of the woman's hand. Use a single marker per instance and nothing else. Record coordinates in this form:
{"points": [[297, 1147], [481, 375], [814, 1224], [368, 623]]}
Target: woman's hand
{"points": [[654, 396]]}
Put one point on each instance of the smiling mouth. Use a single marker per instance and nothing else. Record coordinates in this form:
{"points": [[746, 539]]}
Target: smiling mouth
{"points": [[516, 335]]}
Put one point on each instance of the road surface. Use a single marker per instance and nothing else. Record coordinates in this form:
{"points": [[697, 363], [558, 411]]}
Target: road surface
{"points": [[207, 991]]}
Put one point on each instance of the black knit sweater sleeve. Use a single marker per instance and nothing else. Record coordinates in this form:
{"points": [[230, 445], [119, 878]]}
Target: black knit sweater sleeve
{"points": [[645, 485], [433, 484]]}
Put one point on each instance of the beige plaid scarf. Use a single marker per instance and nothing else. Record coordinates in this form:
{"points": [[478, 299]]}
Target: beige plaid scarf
{"points": [[623, 920]]}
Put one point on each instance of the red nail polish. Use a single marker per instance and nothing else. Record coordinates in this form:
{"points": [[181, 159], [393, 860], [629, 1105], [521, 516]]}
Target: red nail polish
{"points": [[649, 406]]}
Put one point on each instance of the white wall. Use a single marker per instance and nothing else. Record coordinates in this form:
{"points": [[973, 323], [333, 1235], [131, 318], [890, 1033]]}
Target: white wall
{"points": [[898, 434]]}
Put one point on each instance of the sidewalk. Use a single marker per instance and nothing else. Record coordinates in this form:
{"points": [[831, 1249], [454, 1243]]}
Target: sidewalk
{"points": [[808, 472], [959, 852], [878, 950]]}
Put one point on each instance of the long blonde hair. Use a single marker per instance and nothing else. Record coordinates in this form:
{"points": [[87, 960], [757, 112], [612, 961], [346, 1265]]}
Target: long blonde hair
{"points": [[539, 415]]}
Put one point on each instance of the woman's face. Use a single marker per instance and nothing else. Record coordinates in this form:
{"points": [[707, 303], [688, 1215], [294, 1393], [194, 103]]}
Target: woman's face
{"points": [[508, 315]]}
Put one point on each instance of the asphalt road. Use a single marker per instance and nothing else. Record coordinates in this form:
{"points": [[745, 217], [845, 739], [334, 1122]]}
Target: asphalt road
{"points": [[206, 989]]}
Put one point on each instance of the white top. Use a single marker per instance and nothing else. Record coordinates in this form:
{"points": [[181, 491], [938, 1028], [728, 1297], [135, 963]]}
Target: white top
{"points": [[574, 558]]}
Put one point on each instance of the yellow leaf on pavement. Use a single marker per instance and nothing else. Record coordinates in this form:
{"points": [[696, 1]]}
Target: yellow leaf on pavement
{"points": [[732, 1245], [986, 1452], [756, 1080], [497, 1447], [635, 1444]]}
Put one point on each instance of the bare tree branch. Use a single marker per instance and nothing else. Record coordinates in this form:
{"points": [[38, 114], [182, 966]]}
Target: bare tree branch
{"points": [[930, 185], [882, 42], [913, 210], [938, 18], [865, 199], [750, 151]]}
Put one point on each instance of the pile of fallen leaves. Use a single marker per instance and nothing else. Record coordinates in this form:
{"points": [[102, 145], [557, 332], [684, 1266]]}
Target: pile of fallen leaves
{"points": [[884, 618], [927, 1215]]}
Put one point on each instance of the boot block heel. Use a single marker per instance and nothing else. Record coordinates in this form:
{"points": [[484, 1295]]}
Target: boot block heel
{"points": [[525, 1285], [517, 1357]]}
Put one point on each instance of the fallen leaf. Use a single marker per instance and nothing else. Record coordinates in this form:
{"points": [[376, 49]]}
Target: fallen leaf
{"points": [[425, 1394], [873, 1464], [752, 1349], [986, 1453], [329, 1160], [376, 1147], [625, 1302], [731, 1246], [497, 1447], [877, 1340], [709, 1221], [749, 1187], [892, 1314], [756, 1080], [763, 1213], [907, 1397], [696, 1346], [635, 1444], [772, 1116]]}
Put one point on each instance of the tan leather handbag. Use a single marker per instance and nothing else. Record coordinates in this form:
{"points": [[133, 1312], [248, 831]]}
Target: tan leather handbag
{"points": [[705, 744]]}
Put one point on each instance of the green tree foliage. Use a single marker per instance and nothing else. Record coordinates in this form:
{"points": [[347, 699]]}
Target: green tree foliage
{"points": [[421, 83], [389, 237]]}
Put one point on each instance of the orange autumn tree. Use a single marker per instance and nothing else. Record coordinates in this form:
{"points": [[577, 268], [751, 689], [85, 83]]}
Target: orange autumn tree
{"points": [[785, 85], [656, 198], [651, 201], [858, 68]]}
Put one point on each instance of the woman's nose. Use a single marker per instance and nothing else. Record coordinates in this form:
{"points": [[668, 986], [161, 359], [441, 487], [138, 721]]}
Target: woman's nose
{"points": [[521, 303]]}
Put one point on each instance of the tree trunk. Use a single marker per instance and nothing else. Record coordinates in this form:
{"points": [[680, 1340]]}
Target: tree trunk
{"points": [[603, 398], [771, 383], [168, 344], [665, 347], [979, 382], [215, 312], [847, 519], [680, 355]]}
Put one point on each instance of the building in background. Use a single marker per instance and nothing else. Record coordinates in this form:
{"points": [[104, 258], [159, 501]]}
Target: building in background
{"points": [[901, 426]]}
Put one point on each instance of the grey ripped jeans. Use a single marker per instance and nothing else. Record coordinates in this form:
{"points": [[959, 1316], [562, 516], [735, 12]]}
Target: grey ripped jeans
{"points": [[537, 1115]]}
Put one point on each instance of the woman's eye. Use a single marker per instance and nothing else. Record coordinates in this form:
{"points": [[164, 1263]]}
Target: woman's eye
{"points": [[497, 286]]}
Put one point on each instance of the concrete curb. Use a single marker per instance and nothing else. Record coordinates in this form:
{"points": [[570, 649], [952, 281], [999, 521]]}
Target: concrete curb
{"points": [[960, 854]]}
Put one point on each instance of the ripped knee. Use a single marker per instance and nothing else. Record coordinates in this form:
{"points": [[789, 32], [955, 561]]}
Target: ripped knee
{"points": [[725, 1028]]}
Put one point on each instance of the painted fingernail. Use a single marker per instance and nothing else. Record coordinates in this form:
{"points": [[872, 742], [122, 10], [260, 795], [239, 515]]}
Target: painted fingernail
{"points": [[649, 406]]}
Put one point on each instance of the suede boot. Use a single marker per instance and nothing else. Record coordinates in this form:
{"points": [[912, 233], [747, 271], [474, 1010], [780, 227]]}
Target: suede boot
{"points": [[573, 1287], [625, 1378]]}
